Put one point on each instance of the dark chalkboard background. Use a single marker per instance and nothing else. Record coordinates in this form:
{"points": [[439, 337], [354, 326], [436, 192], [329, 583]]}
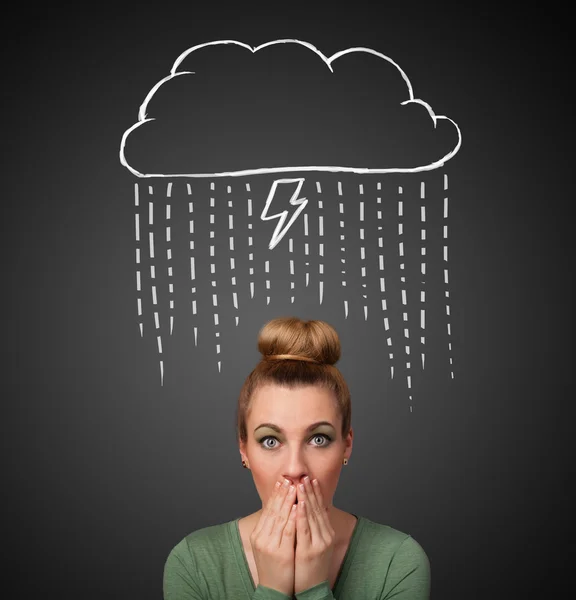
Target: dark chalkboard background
{"points": [[106, 470]]}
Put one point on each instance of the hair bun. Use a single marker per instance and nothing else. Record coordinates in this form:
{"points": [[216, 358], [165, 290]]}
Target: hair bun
{"points": [[311, 341]]}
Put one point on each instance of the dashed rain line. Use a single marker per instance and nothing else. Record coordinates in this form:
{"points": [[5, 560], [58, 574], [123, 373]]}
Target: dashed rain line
{"points": [[232, 261], [267, 281], [192, 261], [267, 270], [320, 245], [445, 236], [291, 250], [153, 279], [212, 271], [138, 273], [250, 242], [343, 248], [383, 285], [306, 248], [169, 258], [403, 291], [363, 252], [423, 270]]}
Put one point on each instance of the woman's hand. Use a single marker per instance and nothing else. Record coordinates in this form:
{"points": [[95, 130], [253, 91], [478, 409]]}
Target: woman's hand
{"points": [[315, 539], [273, 541]]}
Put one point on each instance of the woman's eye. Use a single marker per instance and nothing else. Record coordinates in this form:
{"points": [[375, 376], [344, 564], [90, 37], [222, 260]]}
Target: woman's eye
{"points": [[322, 436]]}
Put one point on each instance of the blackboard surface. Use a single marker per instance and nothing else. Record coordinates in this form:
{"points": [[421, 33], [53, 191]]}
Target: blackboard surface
{"points": [[114, 451]]}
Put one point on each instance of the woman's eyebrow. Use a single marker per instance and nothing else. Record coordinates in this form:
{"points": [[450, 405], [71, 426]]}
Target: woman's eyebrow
{"points": [[280, 430]]}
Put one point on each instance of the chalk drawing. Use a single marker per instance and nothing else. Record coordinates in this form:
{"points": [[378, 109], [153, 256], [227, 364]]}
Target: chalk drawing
{"points": [[289, 205]]}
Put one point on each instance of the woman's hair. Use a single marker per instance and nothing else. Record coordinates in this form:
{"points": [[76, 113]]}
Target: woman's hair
{"points": [[312, 339]]}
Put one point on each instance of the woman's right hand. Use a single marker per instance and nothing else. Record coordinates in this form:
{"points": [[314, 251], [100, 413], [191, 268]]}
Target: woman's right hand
{"points": [[273, 541]]}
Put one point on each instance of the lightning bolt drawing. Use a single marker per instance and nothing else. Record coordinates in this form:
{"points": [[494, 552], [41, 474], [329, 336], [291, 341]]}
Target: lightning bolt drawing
{"points": [[301, 203]]}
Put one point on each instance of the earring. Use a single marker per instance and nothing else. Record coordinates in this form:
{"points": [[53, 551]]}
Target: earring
{"points": [[345, 461], [244, 464]]}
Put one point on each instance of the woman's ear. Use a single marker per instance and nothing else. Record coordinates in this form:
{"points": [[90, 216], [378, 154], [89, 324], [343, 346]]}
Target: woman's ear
{"points": [[348, 440], [242, 450]]}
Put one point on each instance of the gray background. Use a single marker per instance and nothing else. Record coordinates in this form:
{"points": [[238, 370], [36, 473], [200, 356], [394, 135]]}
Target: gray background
{"points": [[105, 471]]}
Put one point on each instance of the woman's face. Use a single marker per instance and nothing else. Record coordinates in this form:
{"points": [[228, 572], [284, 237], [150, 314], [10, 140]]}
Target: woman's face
{"points": [[299, 446]]}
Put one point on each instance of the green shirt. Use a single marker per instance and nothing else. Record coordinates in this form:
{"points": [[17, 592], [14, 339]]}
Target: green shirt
{"points": [[381, 563]]}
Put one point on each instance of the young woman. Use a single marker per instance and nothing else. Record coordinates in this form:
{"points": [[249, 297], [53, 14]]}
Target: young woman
{"points": [[294, 434]]}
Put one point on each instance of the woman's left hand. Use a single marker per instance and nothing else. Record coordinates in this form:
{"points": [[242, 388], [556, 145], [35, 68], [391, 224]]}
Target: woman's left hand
{"points": [[315, 539]]}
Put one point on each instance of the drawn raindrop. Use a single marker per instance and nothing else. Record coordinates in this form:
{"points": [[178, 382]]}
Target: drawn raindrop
{"points": [[320, 245], [343, 248], [447, 291], [213, 272], [250, 243], [169, 257], [138, 272], [192, 262], [363, 252], [232, 260], [151, 257], [384, 303], [291, 250], [267, 270], [423, 270], [306, 249], [404, 291]]}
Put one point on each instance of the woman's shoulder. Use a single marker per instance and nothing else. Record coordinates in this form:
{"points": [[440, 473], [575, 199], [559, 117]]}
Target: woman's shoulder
{"points": [[203, 550], [392, 561], [209, 536], [391, 541]]}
